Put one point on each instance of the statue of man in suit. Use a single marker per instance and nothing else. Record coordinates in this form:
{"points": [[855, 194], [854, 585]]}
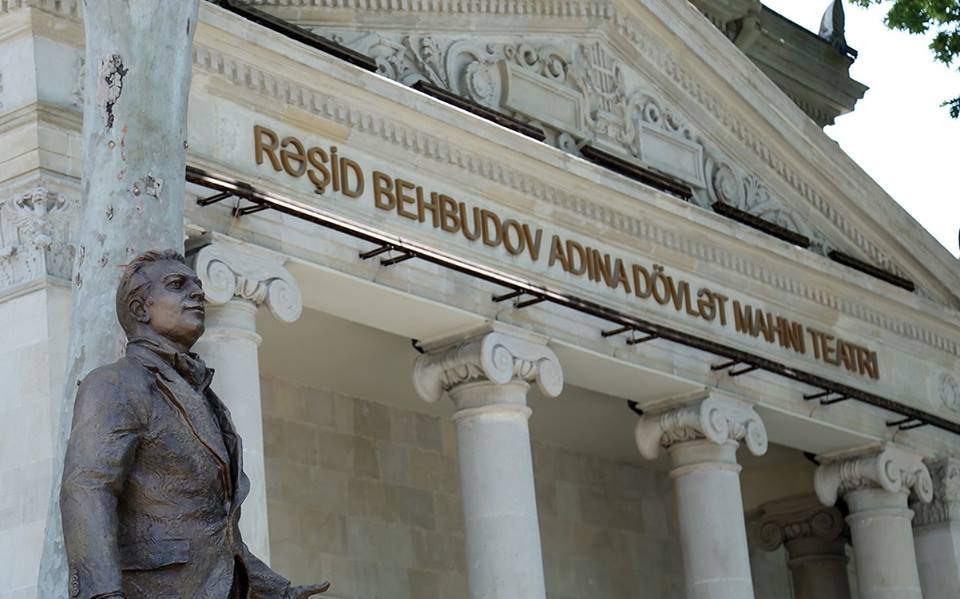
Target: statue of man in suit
{"points": [[152, 479]]}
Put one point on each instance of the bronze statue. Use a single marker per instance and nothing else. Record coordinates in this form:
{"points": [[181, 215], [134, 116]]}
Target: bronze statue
{"points": [[152, 479]]}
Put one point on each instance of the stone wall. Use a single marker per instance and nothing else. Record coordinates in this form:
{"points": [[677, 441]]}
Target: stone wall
{"points": [[368, 496], [33, 329]]}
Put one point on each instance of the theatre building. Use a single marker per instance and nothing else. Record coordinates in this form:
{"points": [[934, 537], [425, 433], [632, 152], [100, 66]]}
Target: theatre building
{"points": [[517, 299]]}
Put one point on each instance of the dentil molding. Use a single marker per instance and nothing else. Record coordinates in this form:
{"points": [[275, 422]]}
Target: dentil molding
{"points": [[889, 468], [495, 357], [231, 270], [797, 517], [945, 505], [713, 419]]}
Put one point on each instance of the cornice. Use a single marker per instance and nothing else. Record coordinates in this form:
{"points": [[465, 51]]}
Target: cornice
{"points": [[645, 43], [286, 92]]}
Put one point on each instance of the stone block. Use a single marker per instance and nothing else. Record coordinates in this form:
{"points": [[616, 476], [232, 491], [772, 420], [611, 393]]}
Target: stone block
{"points": [[371, 419], [403, 427], [336, 451], [343, 407], [411, 506], [428, 433], [365, 460], [424, 584], [366, 498], [294, 441], [394, 463]]}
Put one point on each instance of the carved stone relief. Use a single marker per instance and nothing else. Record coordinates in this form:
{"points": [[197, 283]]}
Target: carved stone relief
{"points": [[578, 93], [34, 236]]}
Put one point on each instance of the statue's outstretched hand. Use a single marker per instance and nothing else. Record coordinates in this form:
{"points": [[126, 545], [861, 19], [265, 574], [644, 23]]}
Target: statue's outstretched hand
{"points": [[307, 590]]}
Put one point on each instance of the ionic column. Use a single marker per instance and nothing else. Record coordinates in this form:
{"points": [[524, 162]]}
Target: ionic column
{"points": [[237, 280], [936, 532], [876, 485], [702, 440], [813, 536], [487, 377]]}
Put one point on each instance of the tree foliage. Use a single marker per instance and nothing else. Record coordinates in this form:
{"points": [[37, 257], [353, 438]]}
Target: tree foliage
{"points": [[942, 17]]}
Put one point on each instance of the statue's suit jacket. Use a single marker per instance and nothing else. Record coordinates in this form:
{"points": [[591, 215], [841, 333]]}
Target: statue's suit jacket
{"points": [[152, 487]]}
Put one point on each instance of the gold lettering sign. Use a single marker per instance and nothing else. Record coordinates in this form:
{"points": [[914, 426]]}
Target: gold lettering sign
{"points": [[327, 168]]}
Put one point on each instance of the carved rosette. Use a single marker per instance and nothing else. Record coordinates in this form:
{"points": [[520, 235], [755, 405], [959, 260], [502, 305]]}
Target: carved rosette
{"points": [[891, 469], [712, 419], [230, 272], [945, 505], [495, 357], [800, 517]]}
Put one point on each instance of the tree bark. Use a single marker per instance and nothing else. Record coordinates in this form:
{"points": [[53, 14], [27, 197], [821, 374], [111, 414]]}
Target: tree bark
{"points": [[137, 82]]}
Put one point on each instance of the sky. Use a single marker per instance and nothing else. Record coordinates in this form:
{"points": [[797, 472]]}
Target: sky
{"points": [[898, 133]]}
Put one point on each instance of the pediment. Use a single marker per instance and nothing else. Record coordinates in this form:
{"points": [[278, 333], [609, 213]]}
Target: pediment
{"points": [[603, 82]]}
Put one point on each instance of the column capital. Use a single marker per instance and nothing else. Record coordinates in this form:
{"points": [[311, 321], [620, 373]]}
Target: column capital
{"points": [[797, 517], [494, 356], [233, 270], [711, 418], [945, 505], [889, 468]]}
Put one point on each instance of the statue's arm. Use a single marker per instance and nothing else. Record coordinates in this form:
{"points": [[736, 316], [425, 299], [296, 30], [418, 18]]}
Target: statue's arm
{"points": [[103, 439], [264, 582], [267, 584]]}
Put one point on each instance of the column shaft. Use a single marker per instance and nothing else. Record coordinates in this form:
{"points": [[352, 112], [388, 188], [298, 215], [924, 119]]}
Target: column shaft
{"points": [[710, 513], [499, 503], [229, 346], [883, 544], [818, 569], [938, 559]]}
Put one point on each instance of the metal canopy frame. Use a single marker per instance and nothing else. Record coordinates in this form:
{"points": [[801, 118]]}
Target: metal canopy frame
{"points": [[226, 187]]}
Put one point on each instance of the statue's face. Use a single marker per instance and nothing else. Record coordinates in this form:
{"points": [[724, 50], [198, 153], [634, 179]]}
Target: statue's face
{"points": [[174, 306]]}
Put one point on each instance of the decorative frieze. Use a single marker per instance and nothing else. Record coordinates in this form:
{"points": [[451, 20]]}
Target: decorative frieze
{"points": [[716, 420], [889, 468], [229, 270], [35, 236], [945, 505], [495, 357]]}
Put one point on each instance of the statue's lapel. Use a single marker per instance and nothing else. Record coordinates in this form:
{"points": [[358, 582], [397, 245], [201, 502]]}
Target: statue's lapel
{"points": [[188, 402], [231, 439]]}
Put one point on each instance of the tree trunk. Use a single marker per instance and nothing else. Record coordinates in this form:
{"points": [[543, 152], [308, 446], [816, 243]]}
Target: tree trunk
{"points": [[137, 81]]}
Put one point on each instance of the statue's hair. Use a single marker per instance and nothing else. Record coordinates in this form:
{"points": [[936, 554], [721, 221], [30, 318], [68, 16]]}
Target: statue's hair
{"points": [[135, 285]]}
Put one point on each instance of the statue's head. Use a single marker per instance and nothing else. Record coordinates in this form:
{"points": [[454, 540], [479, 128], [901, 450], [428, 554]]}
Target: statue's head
{"points": [[159, 295]]}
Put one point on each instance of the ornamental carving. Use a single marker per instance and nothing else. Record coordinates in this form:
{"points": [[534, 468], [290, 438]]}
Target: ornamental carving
{"points": [[890, 468], [712, 419], [577, 93], [494, 357], [945, 505], [949, 392], [35, 236], [230, 271], [799, 517]]}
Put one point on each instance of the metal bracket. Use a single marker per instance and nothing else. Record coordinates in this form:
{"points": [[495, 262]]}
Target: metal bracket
{"points": [[634, 407], [817, 395], [515, 294], [634, 340], [238, 212], [219, 197], [387, 261], [838, 399]]}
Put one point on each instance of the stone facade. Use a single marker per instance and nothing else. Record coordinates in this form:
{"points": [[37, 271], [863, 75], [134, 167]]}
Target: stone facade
{"points": [[368, 495]]}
